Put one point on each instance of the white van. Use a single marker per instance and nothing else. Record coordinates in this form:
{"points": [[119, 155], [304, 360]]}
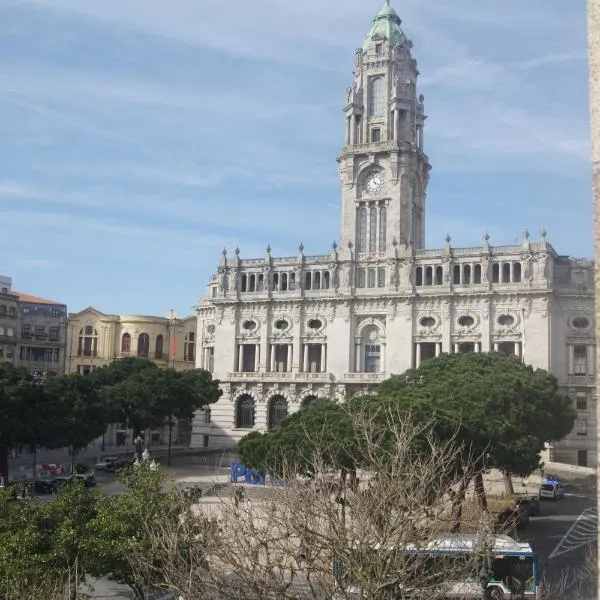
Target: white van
{"points": [[552, 490]]}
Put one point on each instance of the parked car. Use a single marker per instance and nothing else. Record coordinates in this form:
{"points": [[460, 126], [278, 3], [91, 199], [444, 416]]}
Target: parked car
{"points": [[531, 504], [511, 519], [87, 480], [44, 486], [106, 463], [551, 490]]}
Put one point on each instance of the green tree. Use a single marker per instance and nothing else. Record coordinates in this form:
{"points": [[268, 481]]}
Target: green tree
{"points": [[503, 410]]}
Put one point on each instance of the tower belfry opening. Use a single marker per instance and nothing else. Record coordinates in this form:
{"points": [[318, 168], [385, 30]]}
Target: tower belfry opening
{"points": [[383, 165]]}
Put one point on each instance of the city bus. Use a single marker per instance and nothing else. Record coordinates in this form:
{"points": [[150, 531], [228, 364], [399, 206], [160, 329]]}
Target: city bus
{"points": [[450, 566]]}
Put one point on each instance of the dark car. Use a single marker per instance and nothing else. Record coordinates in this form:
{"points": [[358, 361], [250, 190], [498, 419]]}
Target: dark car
{"points": [[531, 504], [511, 519], [87, 480], [44, 486]]}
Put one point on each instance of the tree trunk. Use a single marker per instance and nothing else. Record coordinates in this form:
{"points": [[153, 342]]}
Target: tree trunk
{"points": [[480, 492], [4, 450], [508, 484], [457, 505]]}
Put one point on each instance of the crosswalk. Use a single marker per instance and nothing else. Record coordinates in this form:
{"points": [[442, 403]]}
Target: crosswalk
{"points": [[583, 532]]}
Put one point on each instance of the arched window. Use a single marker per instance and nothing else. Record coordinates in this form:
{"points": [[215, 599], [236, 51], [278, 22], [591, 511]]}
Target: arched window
{"points": [[377, 97], [466, 274], [317, 280], [278, 410], [308, 281], [260, 284], [244, 412], [361, 278], [275, 286], [143, 345], [308, 400], [419, 276], [428, 276], [244, 283], [373, 230], [158, 350], [439, 275], [284, 282], [382, 228], [88, 342], [371, 350], [252, 283], [361, 236], [495, 273], [325, 280], [516, 272], [506, 273], [371, 278], [477, 274], [381, 277], [456, 274], [125, 343]]}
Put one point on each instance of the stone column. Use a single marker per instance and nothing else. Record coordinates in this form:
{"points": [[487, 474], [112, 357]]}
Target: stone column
{"points": [[570, 359], [352, 130], [418, 355], [290, 353], [590, 359], [517, 344], [305, 359], [496, 346], [382, 367], [347, 130], [357, 361], [456, 348], [323, 358], [273, 347], [240, 364], [257, 358], [438, 348], [477, 347]]}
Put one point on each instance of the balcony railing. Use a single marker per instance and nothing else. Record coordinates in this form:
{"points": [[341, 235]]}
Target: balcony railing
{"points": [[575, 380], [8, 339], [364, 377], [280, 376]]}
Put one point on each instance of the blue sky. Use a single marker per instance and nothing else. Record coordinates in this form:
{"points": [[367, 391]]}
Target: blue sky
{"points": [[140, 137]]}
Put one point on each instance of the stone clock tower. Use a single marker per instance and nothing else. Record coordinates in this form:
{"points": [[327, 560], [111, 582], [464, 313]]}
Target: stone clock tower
{"points": [[383, 168]]}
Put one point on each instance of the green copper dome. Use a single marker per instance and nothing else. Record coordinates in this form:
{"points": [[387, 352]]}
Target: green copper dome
{"points": [[386, 27]]}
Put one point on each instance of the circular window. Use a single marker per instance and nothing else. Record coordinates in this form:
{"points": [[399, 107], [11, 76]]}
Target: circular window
{"points": [[315, 324], [249, 325], [210, 329], [581, 322], [281, 324], [427, 322], [466, 321], [506, 320]]}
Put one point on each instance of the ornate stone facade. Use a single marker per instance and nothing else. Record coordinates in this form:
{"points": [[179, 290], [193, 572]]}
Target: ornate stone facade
{"points": [[278, 332]]}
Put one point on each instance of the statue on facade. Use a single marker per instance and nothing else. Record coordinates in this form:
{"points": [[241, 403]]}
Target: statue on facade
{"points": [[333, 269], [541, 260], [527, 260], [485, 269], [222, 279], [348, 275]]}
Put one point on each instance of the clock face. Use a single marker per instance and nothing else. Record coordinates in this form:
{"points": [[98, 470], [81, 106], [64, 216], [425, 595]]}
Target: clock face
{"points": [[374, 182]]}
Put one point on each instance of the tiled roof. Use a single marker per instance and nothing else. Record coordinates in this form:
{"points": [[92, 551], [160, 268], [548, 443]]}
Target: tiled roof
{"points": [[34, 299]]}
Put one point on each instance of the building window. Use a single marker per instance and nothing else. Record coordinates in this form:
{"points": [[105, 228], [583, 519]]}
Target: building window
{"points": [[371, 277], [373, 229], [205, 440], [143, 345], [372, 358], [244, 412], [419, 276], [12, 312], [279, 357], [506, 273], [580, 363], [361, 278], [56, 355], [377, 100], [495, 273], [125, 343], [456, 276], [158, 349], [516, 272], [189, 350], [314, 358], [207, 416], [248, 358], [439, 275], [582, 458], [375, 134], [381, 277], [40, 332], [278, 410], [477, 274], [88, 342], [54, 333], [581, 400], [382, 228], [582, 428], [466, 274], [361, 235], [378, 48], [428, 275]]}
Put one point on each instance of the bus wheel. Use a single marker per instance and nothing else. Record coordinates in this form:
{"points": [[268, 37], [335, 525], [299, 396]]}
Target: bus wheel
{"points": [[496, 593]]}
